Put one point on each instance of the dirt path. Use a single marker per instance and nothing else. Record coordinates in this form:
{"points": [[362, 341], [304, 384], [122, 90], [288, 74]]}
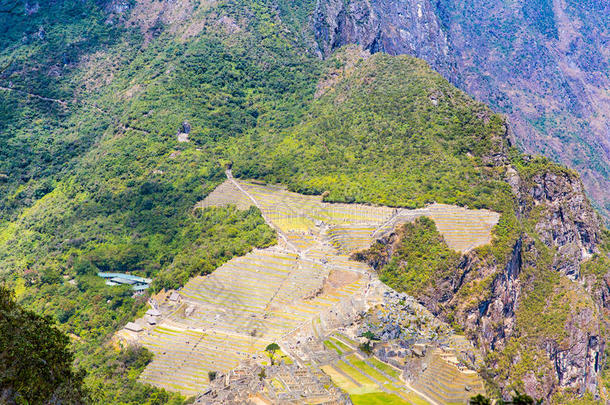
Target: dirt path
{"points": [[229, 175], [302, 253], [392, 218], [53, 100]]}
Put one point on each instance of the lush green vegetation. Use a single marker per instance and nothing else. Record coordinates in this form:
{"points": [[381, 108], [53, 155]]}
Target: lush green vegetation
{"points": [[421, 258], [40, 48], [35, 362], [113, 378], [394, 133]]}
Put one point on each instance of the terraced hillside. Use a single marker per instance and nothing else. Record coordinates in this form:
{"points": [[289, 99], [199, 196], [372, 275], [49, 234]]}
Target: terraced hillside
{"points": [[253, 300], [234, 313], [445, 383], [366, 378], [348, 227], [99, 97], [463, 229]]}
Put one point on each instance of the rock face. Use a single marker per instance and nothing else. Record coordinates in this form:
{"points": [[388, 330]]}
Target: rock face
{"points": [[390, 26], [567, 223], [543, 63], [496, 302]]}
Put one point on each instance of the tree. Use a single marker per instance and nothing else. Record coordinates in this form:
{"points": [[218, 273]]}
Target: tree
{"points": [[271, 349], [369, 335], [479, 400], [35, 363], [524, 399], [367, 347]]}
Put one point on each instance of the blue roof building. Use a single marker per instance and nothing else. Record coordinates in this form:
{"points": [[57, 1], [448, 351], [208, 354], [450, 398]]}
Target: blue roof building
{"points": [[138, 283]]}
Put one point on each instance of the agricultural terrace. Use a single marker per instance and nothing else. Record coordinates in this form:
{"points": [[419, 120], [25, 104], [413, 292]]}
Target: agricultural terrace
{"points": [[369, 380], [307, 221], [366, 379], [445, 383], [234, 313], [256, 299]]}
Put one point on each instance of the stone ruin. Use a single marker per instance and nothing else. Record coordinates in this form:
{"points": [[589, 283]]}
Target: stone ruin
{"points": [[251, 383]]}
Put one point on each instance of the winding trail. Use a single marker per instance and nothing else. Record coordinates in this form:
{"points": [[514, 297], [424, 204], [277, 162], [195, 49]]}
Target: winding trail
{"points": [[395, 215], [53, 100], [229, 175], [291, 247]]}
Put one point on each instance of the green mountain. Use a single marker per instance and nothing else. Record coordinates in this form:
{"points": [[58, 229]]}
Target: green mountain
{"points": [[117, 117], [542, 63]]}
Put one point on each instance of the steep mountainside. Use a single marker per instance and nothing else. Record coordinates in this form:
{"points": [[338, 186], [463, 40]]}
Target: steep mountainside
{"points": [[446, 148], [543, 63], [117, 118], [540, 315]]}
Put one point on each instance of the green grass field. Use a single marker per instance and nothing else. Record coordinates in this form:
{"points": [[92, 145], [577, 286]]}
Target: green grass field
{"points": [[330, 346], [379, 398], [344, 348], [357, 375], [360, 364], [347, 340], [386, 368], [341, 381]]}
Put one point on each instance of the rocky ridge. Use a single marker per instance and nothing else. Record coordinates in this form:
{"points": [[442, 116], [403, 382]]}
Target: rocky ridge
{"points": [[413, 29], [541, 63], [493, 300]]}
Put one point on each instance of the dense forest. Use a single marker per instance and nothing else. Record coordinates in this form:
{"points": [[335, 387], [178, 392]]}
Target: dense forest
{"points": [[422, 258]]}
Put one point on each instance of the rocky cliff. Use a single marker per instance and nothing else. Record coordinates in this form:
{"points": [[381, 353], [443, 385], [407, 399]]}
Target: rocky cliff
{"points": [[390, 26], [536, 314], [543, 63]]}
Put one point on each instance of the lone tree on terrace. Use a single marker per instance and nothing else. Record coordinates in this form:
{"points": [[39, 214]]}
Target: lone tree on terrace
{"points": [[367, 347], [271, 349]]}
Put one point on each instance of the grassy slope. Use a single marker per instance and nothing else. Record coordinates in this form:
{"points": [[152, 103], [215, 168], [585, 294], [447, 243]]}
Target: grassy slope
{"points": [[376, 136]]}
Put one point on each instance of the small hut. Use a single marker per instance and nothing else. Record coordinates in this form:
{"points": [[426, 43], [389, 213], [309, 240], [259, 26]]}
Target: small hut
{"points": [[134, 327]]}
